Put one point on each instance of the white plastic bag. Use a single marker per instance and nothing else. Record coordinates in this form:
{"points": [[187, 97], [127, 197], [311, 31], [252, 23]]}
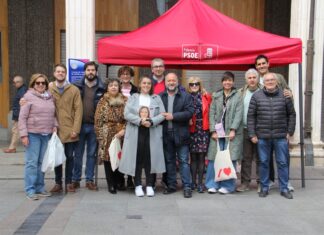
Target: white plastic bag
{"points": [[224, 169], [115, 153], [54, 155]]}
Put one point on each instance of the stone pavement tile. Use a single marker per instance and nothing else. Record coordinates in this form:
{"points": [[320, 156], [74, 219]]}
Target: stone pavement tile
{"points": [[237, 224], [101, 223], [19, 211], [157, 205], [164, 224], [56, 223]]}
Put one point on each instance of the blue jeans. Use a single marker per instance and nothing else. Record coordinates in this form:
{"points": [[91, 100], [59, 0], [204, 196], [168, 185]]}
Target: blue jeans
{"points": [[210, 174], [34, 154], [87, 136], [69, 150], [280, 147], [171, 153]]}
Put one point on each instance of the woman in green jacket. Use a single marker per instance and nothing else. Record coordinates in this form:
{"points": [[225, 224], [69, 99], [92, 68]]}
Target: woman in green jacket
{"points": [[226, 108]]}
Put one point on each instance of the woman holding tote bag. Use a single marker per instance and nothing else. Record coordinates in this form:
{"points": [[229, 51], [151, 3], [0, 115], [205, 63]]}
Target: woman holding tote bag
{"points": [[110, 123], [225, 117]]}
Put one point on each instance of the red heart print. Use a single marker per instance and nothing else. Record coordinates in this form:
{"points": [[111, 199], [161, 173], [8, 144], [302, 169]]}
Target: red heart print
{"points": [[227, 171]]}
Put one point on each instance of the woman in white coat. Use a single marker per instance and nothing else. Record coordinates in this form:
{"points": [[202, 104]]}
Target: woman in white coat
{"points": [[131, 155]]}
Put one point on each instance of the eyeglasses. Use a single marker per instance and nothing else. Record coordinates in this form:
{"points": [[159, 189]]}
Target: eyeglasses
{"points": [[40, 83], [194, 84], [158, 66]]}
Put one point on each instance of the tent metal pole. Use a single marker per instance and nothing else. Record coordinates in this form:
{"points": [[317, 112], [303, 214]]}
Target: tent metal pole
{"points": [[301, 125], [107, 70]]}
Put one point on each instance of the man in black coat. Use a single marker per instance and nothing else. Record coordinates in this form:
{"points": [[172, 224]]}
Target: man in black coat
{"points": [[176, 133], [271, 120], [18, 82], [92, 89]]}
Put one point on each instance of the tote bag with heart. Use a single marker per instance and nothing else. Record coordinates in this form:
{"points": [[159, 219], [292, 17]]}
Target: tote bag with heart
{"points": [[224, 169], [115, 153]]}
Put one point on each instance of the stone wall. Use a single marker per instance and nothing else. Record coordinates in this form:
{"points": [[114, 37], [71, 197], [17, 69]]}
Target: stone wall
{"points": [[31, 38]]}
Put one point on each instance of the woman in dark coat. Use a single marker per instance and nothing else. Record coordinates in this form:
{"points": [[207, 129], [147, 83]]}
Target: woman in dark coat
{"points": [[199, 130]]}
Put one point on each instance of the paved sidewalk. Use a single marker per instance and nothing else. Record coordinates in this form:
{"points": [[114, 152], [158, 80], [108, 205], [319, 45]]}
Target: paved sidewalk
{"points": [[100, 212]]}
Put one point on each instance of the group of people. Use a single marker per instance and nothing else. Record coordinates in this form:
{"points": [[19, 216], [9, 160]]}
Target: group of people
{"points": [[162, 126]]}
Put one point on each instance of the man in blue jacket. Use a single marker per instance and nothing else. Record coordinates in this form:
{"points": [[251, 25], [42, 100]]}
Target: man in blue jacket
{"points": [[18, 82], [92, 89], [176, 134]]}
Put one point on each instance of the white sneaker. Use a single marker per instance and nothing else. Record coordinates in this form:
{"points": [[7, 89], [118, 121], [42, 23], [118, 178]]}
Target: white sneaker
{"points": [[290, 187], [223, 191], [139, 191], [212, 190], [149, 191]]}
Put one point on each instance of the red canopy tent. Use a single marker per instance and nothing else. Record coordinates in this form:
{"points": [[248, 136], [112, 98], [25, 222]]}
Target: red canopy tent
{"points": [[192, 35]]}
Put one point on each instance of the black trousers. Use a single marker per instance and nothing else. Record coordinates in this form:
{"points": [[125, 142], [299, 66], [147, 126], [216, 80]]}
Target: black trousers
{"points": [[113, 178], [143, 157], [69, 149]]}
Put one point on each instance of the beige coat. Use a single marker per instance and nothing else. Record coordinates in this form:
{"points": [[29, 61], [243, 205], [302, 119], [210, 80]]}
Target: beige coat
{"points": [[68, 108]]}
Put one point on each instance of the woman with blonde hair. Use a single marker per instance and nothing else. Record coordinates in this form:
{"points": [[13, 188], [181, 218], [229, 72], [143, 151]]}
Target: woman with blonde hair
{"points": [[199, 130], [36, 123]]}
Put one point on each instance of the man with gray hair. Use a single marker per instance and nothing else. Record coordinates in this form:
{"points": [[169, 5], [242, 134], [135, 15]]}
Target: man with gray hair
{"points": [[250, 152], [271, 120], [18, 82], [176, 135]]}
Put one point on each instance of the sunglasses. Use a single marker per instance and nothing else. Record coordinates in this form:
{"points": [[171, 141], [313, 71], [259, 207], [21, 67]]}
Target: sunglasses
{"points": [[39, 83], [194, 84]]}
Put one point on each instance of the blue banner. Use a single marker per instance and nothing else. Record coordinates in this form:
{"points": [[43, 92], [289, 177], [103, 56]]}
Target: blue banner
{"points": [[76, 71]]}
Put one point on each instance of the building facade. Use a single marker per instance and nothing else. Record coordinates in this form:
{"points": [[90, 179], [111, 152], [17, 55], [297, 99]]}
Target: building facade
{"points": [[36, 34]]}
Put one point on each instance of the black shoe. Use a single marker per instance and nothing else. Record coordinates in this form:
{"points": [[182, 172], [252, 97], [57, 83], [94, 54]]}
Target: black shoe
{"points": [[287, 195], [169, 190], [121, 187], [187, 193], [112, 189], [263, 193], [130, 183], [164, 184]]}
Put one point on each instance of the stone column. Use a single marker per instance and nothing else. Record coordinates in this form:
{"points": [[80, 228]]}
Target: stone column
{"points": [[80, 29], [298, 29], [318, 84], [318, 72], [300, 15]]}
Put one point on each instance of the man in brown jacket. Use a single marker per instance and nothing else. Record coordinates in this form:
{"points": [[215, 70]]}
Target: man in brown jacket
{"points": [[68, 105]]}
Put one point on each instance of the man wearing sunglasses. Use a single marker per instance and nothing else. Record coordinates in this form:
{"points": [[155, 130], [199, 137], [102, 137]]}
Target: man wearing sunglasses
{"points": [[18, 82]]}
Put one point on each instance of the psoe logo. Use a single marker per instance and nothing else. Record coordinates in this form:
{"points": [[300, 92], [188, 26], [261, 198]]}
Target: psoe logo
{"points": [[191, 52], [199, 51]]}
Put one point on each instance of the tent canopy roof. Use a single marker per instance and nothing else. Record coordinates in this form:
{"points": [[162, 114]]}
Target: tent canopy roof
{"points": [[192, 35]]}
